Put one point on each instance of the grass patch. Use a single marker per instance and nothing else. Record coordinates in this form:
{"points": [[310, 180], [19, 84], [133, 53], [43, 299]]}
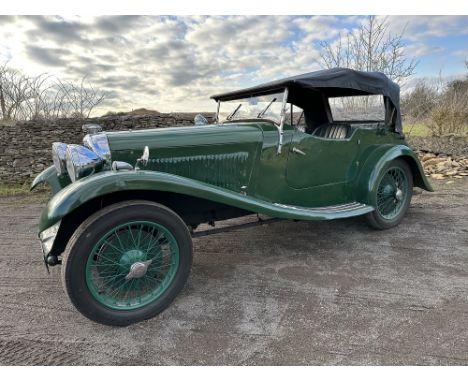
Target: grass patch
{"points": [[8, 189], [416, 130], [22, 189]]}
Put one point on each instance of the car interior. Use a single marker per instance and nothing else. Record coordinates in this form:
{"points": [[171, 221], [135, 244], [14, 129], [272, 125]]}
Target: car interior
{"points": [[333, 130], [314, 117]]}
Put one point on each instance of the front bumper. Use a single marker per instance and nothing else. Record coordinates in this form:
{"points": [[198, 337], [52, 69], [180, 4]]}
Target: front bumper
{"points": [[47, 238]]}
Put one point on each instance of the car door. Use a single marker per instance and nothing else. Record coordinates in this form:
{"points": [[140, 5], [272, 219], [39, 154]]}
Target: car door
{"points": [[316, 161]]}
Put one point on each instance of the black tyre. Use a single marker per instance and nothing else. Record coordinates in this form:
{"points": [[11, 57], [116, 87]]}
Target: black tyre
{"points": [[392, 195], [127, 262]]}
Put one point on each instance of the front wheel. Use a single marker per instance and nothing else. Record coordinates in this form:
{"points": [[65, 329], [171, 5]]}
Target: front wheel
{"points": [[392, 195], [127, 262]]}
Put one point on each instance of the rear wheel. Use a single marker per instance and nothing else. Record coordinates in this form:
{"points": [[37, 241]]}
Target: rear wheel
{"points": [[127, 262], [392, 196]]}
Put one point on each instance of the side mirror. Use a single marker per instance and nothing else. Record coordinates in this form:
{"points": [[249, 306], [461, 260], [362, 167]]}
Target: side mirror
{"points": [[143, 159], [200, 120]]}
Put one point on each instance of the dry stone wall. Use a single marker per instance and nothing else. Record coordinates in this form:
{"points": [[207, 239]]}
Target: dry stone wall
{"points": [[25, 148]]}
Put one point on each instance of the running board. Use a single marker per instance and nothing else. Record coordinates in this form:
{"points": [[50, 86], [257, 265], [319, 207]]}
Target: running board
{"points": [[329, 212], [316, 213]]}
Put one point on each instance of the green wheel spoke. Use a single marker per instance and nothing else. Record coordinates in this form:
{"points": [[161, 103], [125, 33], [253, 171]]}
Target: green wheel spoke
{"points": [[132, 239], [125, 236], [106, 264], [147, 282], [117, 290], [112, 284], [113, 247], [112, 276], [107, 259], [161, 266], [148, 236], [128, 289], [156, 243], [388, 204], [138, 236], [117, 236], [114, 262]]}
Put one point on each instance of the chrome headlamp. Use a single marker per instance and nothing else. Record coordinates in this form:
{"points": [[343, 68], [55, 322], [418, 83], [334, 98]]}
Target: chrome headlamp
{"points": [[58, 156], [82, 162], [99, 144]]}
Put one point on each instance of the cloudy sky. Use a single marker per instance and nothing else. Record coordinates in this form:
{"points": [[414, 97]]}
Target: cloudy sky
{"points": [[175, 63]]}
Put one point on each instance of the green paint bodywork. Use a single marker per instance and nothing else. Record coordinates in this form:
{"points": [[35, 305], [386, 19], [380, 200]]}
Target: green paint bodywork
{"points": [[237, 165], [220, 155], [49, 176]]}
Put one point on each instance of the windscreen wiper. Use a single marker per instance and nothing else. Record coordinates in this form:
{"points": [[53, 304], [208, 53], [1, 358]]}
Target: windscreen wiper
{"points": [[262, 113], [230, 116]]}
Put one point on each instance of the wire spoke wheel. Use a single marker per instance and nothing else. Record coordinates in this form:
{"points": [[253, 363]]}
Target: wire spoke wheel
{"points": [[127, 262], [132, 265], [392, 193]]}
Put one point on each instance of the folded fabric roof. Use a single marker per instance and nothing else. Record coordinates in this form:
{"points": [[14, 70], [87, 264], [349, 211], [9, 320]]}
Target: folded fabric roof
{"points": [[337, 82]]}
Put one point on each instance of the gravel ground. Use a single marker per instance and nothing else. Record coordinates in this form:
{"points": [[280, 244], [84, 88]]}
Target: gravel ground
{"points": [[289, 293]]}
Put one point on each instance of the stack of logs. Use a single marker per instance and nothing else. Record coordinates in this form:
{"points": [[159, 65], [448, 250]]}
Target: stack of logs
{"points": [[441, 166]]}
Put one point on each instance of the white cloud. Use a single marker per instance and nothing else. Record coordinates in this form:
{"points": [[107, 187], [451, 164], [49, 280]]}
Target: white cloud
{"points": [[176, 63], [419, 50], [461, 54], [318, 28], [423, 27]]}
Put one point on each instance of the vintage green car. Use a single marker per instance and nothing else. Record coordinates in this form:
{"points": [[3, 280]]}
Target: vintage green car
{"points": [[125, 205]]}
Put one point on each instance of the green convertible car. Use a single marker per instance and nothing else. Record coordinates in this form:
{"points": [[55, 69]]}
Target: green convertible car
{"points": [[125, 205]]}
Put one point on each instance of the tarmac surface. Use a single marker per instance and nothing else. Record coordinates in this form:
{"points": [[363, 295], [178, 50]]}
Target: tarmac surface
{"points": [[313, 293]]}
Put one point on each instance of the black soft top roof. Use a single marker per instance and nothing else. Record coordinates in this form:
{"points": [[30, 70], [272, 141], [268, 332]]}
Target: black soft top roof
{"points": [[337, 82]]}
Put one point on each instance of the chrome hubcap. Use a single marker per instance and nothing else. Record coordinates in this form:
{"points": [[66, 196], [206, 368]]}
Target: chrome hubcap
{"points": [[138, 269], [399, 194]]}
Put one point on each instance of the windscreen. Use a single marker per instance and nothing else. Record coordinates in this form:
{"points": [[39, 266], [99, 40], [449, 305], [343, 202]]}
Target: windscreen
{"points": [[254, 107]]}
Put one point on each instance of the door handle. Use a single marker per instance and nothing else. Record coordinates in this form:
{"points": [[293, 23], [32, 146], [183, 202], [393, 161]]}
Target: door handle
{"points": [[297, 151]]}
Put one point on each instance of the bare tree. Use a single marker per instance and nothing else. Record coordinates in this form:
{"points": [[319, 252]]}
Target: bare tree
{"points": [[79, 100], [450, 113], [44, 96], [418, 102], [438, 104], [36, 104], [2, 91], [14, 90], [371, 47]]}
